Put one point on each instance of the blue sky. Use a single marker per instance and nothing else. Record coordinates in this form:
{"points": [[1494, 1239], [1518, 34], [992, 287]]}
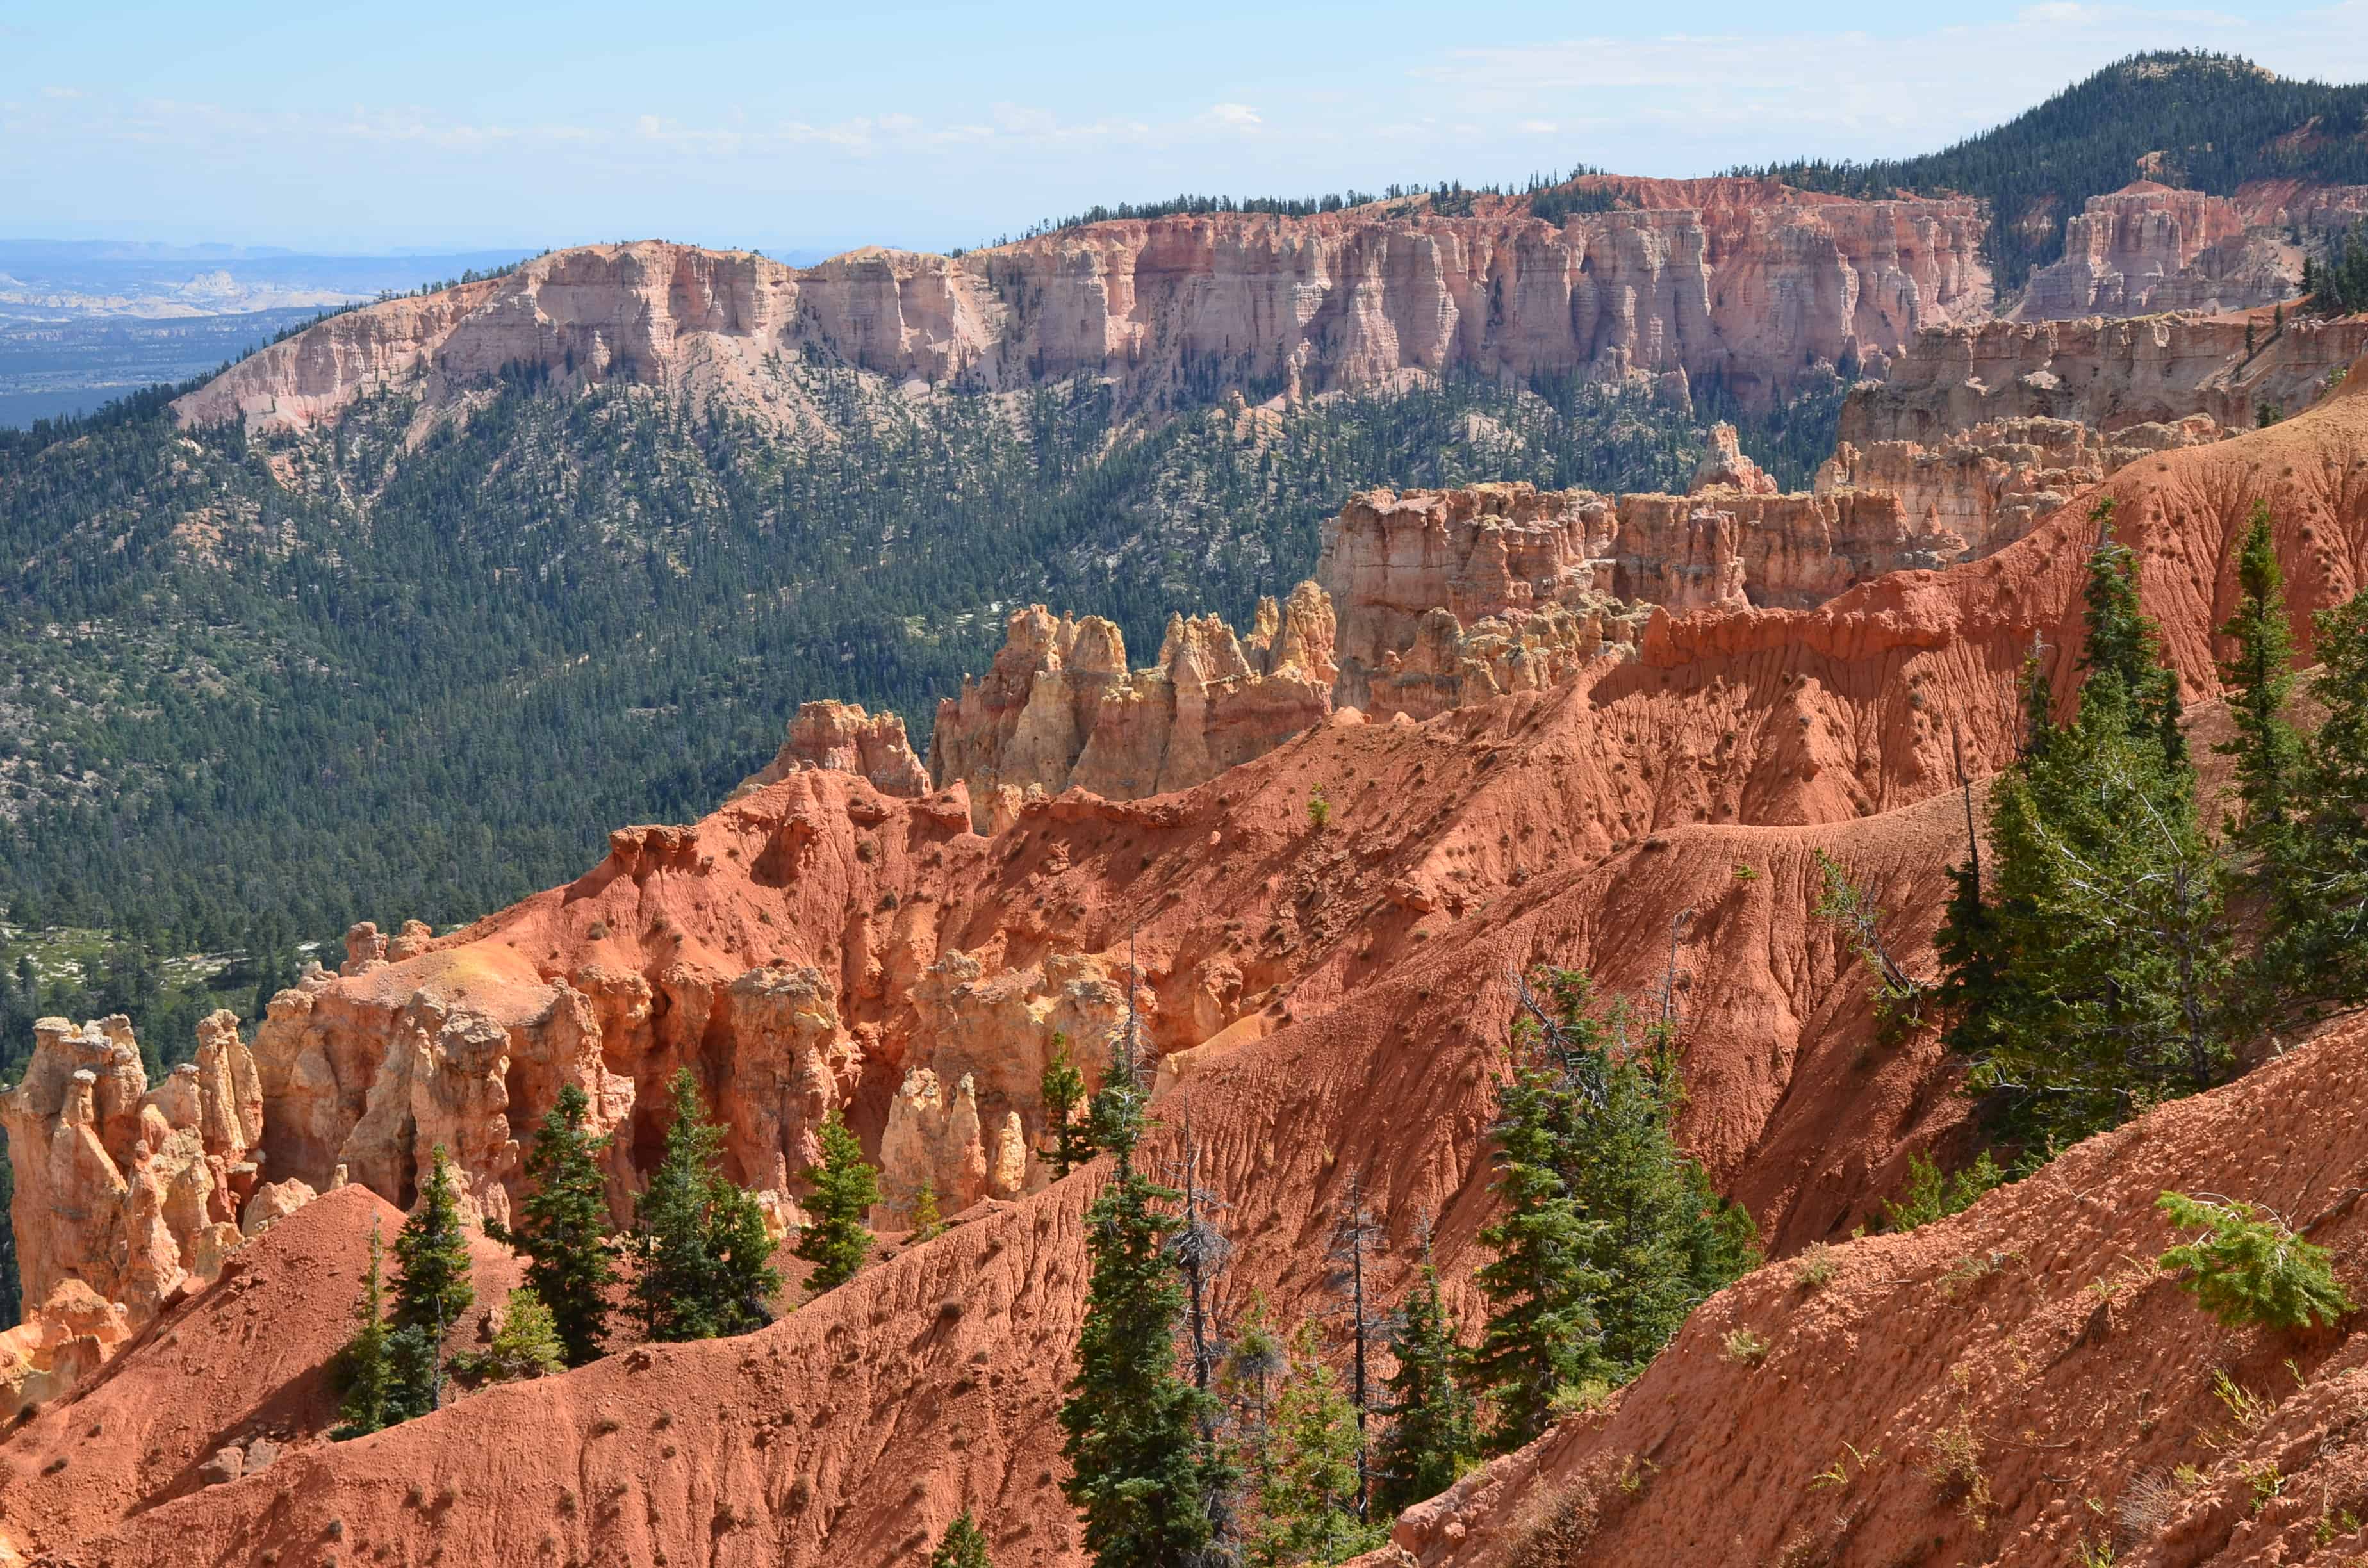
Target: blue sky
{"points": [[799, 127]]}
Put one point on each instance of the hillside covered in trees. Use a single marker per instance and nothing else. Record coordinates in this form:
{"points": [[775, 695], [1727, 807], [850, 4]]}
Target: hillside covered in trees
{"points": [[333, 678], [2205, 121]]}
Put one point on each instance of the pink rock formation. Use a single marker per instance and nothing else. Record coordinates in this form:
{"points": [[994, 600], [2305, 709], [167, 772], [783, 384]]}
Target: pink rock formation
{"points": [[1742, 278], [129, 1193], [2147, 247], [969, 1120], [842, 735], [2104, 374], [1992, 484], [1059, 708], [1726, 467]]}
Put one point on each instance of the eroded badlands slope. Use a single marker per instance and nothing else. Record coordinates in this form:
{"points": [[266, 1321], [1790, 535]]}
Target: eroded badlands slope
{"points": [[1330, 1002]]}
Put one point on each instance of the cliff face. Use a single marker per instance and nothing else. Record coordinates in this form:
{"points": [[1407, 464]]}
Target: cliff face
{"points": [[1990, 485], [2148, 248], [2103, 374], [1753, 286]]}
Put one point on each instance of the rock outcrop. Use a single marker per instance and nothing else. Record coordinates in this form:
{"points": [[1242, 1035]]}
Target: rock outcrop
{"points": [[2148, 248], [1059, 708], [842, 735], [125, 1196], [1743, 280], [2103, 374], [1994, 483]]}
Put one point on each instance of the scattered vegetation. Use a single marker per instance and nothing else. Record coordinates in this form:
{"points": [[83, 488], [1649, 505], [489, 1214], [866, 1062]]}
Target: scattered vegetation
{"points": [[1744, 1345]]}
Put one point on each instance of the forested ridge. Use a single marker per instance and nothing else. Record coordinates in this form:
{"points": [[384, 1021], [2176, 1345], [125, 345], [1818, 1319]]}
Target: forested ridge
{"points": [[2184, 117], [315, 679]]}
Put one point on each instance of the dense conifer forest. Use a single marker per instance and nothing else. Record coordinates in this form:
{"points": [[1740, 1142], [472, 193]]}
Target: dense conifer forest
{"points": [[2190, 118], [307, 680]]}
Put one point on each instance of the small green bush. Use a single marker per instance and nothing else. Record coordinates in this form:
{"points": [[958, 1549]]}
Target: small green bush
{"points": [[2249, 1267], [1930, 1196], [1319, 810]]}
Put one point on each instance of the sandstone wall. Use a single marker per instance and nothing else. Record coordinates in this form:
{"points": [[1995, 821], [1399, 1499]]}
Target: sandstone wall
{"points": [[2148, 248], [1753, 286], [2104, 374]]}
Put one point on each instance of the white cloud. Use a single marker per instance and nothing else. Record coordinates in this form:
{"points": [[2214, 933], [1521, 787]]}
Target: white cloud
{"points": [[1240, 115]]}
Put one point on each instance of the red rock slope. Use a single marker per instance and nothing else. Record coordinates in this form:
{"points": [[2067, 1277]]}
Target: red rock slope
{"points": [[1571, 825]]}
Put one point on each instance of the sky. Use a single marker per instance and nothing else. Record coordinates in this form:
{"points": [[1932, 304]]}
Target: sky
{"points": [[798, 128]]}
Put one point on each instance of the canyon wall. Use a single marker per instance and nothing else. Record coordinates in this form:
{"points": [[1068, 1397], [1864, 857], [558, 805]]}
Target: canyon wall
{"points": [[2148, 248], [2104, 374], [1752, 285]]}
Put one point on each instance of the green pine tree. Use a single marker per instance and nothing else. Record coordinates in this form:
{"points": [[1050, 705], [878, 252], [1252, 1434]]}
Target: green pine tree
{"points": [[704, 1256], [526, 1344], [2095, 975], [433, 1292], [563, 1228], [928, 1224], [836, 1241], [365, 1371], [2315, 957], [1141, 1472], [2260, 682], [1063, 1089], [1307, 1500], [1433, 1436], [962, 1546], [1610, 1233]]}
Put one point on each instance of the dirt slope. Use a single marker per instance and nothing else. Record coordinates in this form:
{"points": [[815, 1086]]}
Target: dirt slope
{"points": [[2001, 1387]]}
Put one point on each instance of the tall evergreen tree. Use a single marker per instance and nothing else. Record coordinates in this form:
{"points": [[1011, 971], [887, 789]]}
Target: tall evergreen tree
{"points": [[2260, 682], [836, 1240], [1141, 1472], [365, 1370], [433, 1292], [1541, 1336], [1307, 1503], [1610, 1233], [563, 1228], [1069, 1140], [962, 1546], [704, 1256], [1433, 1434], [2316, 955], [2100, 977]]}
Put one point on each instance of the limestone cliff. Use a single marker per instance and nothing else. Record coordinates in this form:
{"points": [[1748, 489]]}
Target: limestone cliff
{"points": [[1990, 485], [2148, 248], [1742, 280]]}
